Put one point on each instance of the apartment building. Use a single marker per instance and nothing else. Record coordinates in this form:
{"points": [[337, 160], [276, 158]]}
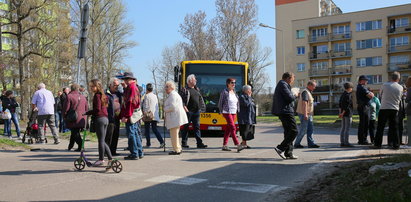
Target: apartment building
{"points": [[334, 47]]}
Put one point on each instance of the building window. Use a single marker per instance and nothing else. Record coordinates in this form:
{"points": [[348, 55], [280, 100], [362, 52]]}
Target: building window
{"points": [[341, 29], [369, 61], [320, 49], [402, 22], [300, 67], [300, 34], [342, 63], [300, 50], [399, 41], [341, 47], [369, 43], [319, 32], [320, 66], [301, 83], [368, 25], [374, 79], [400, 59], [322, 82]]}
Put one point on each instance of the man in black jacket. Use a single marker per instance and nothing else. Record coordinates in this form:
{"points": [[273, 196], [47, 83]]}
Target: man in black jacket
{"points": [[283, 107]]}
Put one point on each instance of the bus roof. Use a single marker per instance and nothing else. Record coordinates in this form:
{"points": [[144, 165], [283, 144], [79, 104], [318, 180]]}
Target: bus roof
{"points": [[212, 62]]}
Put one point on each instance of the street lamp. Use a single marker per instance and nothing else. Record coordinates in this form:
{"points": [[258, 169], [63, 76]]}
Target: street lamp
{"points": [[282, 38]]}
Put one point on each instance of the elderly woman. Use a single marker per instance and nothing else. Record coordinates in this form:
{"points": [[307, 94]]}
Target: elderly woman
{"points": [[229, 106], [9, 103], [77, 102], [246, 116], [175, 116]]}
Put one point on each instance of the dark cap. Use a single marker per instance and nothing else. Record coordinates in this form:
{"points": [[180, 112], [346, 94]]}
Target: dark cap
{"points": [[128, 75], [362, 77]]}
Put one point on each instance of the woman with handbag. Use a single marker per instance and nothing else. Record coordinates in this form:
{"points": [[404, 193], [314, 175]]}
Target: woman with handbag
{"points": [[9, 106], [229, 106], [100, 116], [175, 115], [247, 116], [150, 115], [74, 107]]}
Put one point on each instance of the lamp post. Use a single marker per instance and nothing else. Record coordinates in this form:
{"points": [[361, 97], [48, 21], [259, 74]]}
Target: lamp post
{"points": [[282, 39]]}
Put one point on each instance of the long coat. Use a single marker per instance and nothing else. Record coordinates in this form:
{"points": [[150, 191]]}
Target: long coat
{"points": [[70, 103], [247, 115], [174, 111]]}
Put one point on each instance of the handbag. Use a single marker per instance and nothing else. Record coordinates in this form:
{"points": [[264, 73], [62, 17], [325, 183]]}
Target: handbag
{"points": [[136, 116], [148, 116], [71, 115], [6, 115]]}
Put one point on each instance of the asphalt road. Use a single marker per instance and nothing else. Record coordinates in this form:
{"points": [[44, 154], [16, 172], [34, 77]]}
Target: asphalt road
{"points": [[257, 174]]}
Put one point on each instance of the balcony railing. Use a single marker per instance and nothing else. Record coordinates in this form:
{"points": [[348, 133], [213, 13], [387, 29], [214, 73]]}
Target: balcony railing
{"points": [[322, 89], [340, 36], [399, 30], [319, 72], [341, 70], [318, 56], [398, 48], [403, 66], [340, 53], [314, 38]]}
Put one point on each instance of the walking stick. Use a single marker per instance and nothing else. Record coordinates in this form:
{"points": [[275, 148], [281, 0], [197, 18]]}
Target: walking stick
{"points": [[164, 132]]}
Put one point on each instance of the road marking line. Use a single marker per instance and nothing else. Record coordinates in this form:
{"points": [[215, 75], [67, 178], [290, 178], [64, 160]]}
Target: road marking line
{"points": [[176, 180], [334, 157], [127, 175], [249, 187]]}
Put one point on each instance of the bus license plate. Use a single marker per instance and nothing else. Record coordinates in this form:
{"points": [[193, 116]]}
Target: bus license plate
{"points": [[214, 128]]}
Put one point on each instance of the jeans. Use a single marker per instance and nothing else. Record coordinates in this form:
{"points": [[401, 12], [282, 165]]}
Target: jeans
{"points": [[290, 132], [389, 115], [75, 137], [306, 126], [49, 119], [7, 125], [363, 112], [193, 117], [57, 119], [101, 130], [409, 130], [371, 130], [230, 130], [134, 141], [153, 125], [345, 130]]}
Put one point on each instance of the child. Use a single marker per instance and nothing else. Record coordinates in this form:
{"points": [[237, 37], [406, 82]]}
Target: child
{"points": [[346, 110]]}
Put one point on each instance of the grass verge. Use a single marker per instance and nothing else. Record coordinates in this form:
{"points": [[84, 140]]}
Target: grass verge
{"points": [[7, 144], [353, 182], [90, 136]]}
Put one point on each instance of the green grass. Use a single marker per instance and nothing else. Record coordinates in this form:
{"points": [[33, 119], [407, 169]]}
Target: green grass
{"points": [[7, 144], [319, 120], [353, 182], [90, 136]]}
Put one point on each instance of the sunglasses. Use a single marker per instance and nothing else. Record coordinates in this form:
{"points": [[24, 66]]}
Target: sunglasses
{"points": [[233, 82]]}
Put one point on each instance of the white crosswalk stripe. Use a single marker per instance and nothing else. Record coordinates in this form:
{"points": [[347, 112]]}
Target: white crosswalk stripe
{"points": [[176, 180]]}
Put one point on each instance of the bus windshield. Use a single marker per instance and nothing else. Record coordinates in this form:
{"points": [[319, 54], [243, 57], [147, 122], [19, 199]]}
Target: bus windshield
{"points": [[211, 80]]}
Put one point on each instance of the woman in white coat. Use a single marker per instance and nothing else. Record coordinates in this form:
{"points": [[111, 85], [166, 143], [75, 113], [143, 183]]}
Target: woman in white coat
{"points": [[175, 116]]}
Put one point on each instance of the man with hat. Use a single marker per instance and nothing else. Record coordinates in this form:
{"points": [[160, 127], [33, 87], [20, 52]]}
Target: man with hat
{"points": [[363, 106], [131, 101]]}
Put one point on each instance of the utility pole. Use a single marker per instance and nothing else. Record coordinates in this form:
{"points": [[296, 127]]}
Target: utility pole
{"points": [[83, 38]]}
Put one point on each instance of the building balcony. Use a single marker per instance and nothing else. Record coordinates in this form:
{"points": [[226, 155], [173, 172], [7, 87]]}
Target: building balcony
{"points": [[403, 66], [340, 36], [341, 70], [315, 39], [338, 88], [399, 48], [340, 53], [318, 72], [319, 56], [398, 30]]}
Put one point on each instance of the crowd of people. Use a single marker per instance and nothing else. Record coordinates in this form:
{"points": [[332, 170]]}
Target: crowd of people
{"points": [[122, 101], [392, 108]]}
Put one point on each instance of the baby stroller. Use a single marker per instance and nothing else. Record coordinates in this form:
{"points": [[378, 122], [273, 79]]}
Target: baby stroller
{"points": [[32, 133]]}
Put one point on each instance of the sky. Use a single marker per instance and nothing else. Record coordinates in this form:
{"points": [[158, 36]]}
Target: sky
{"points": [[156, 24]]}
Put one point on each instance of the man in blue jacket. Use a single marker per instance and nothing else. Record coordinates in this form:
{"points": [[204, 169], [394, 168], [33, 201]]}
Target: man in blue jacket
{"points": [[283, 107]]}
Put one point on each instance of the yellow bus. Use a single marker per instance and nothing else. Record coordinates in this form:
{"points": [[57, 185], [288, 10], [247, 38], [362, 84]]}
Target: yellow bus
{"points": [[211, 78]]}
